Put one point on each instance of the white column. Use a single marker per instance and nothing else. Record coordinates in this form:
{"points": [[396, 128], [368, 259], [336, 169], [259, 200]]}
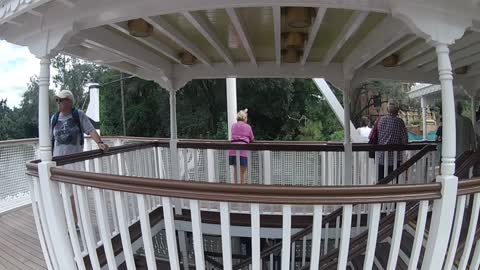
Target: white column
{"points": [[424, 117], [52, 201], [173, 146], [173, 134], [444, 208], [231, 104], [448, 109], [347, 140], [43, 113]]}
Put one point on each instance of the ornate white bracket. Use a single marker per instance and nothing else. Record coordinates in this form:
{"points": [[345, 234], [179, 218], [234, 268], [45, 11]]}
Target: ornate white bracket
{"points": [[48, 42], [435, 25]]}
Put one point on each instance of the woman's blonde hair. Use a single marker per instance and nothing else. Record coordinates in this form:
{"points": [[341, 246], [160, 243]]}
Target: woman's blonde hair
{"points": [[242, 115]]}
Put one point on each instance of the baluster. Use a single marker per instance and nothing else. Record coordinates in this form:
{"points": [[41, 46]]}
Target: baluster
{"points": [[42, 231], [169, 220], [249, 168], [81, 166], [337, 231], [186, 175], [87, 226], [323, 181], [146, 232], [325, 243], [457, 227], [124, 232], [373, 219], [396, 236], [359, 218], [226, 239], [420, 231], [316, 238], [286, 234], [115, 170], [255, 221], [104, 226], [471, 232], [197, 235], [345, 241], [237, 166], [155, 163], [270, 264], [282, 169], [267, 168], [195, 164], [228, 174], [304, 249], [211, 165], [292, 261], [475, 264]]}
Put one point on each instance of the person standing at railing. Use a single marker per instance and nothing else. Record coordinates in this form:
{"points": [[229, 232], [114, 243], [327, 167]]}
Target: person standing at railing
{"points": [[364, 128], [68, 126], [241, 134], [391, 131]]}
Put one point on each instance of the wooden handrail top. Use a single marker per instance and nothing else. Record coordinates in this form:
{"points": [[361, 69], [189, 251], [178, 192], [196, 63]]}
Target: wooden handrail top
{"points": [[18, 141], [272, 146], [271, 194], [469, 186]]}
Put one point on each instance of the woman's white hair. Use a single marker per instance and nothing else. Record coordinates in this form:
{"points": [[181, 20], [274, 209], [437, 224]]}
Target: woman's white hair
{"points": [[242, 115]]}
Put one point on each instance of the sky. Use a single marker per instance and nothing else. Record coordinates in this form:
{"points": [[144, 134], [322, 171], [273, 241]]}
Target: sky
{"points": [[17, 65]]}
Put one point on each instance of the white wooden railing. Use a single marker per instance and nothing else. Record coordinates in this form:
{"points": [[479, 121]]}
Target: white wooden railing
{"points": [[225, 226]]}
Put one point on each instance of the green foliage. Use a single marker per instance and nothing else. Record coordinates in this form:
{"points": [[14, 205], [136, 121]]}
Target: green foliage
{"points": [[390, 89], [279, 109], [73, 74]]}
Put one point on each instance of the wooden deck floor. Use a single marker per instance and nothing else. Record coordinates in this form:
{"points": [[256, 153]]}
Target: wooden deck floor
{"points": [[19, 245]]}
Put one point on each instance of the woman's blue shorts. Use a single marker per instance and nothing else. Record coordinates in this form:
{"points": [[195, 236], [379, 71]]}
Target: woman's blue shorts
{"points": [[233, 161]]}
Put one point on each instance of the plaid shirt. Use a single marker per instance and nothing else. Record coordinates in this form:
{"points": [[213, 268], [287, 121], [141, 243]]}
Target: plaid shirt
{"points": [[391, 130]]}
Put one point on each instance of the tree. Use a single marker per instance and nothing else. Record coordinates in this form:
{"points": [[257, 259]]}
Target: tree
{"points": [[380, 88], [73, 74]]}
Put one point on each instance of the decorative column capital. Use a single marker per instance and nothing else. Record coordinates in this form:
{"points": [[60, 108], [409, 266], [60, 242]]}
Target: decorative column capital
{"points": [[436, 25]]}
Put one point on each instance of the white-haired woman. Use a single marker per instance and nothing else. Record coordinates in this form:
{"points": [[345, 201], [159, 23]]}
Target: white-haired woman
{"points": [[241, 134]]}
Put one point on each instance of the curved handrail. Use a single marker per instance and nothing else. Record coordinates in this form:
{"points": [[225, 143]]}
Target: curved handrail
{"points": [[250, 193], [18, 141], [273, 146], [469, 186]]}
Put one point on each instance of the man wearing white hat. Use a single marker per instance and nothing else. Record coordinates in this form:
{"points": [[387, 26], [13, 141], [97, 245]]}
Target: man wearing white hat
{"points": [[68, 126]]}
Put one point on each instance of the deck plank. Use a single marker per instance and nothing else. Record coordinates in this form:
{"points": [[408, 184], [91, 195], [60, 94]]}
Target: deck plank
{"points": [[19, 244]]}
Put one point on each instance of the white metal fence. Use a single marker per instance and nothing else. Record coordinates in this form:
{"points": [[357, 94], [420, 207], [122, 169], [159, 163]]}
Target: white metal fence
{"points": [[14, 183]]}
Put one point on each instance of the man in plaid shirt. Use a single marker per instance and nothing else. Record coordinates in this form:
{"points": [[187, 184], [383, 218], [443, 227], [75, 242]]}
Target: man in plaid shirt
{"points": [[391, 130]]}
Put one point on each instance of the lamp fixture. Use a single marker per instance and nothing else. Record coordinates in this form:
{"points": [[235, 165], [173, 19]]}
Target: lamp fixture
{"points": [[291, 55], [294, 39], [299, 17], [139, 28], [391, 61], [187, 58], [461, 70]]}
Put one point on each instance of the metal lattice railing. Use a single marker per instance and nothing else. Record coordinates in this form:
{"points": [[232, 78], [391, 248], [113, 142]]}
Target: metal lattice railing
{"points": [[14, 183]]}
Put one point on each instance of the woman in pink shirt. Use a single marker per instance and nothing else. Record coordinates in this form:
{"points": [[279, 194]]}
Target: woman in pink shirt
{"points": [[241, 134]]}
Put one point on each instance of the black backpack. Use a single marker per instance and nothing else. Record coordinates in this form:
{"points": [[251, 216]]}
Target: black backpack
{"points": [[76, 118]]}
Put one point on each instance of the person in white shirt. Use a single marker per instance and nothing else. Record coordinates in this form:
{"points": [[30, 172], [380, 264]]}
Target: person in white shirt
{"points": [[364, 129]]}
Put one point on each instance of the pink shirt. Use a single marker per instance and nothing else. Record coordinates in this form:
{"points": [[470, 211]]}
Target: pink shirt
{"points": [[241, 134]]}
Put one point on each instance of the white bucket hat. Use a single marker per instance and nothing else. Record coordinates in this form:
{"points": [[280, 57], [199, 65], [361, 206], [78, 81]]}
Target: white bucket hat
{"points": [[65, 94]]}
